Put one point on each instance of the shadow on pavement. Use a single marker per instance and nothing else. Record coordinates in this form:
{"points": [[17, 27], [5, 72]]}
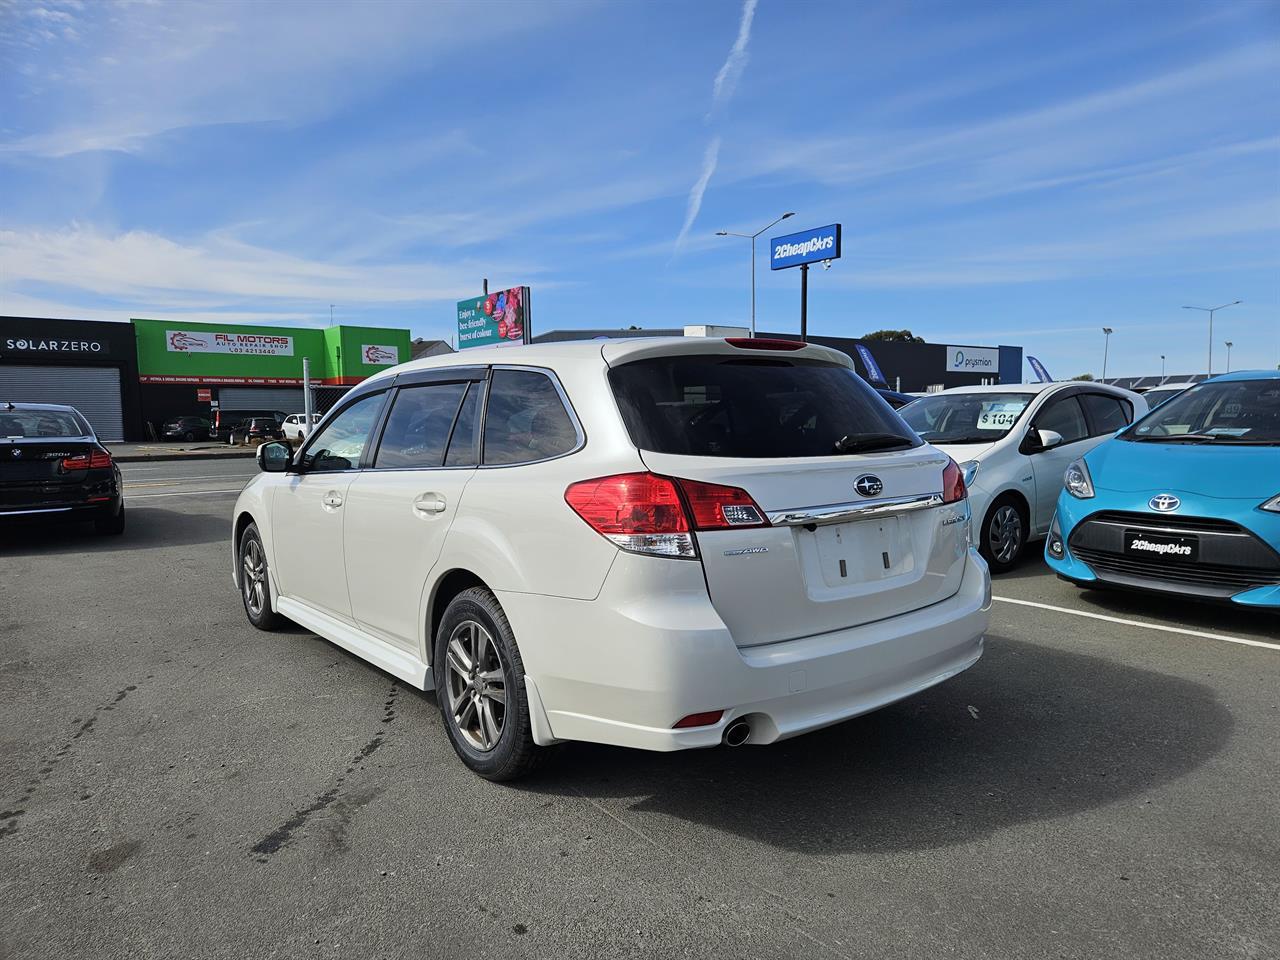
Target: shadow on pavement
{"points": [[146, 528], [1056, 733]]}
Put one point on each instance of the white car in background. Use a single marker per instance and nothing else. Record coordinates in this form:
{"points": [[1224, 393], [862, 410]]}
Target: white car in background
{"points": [[1165, 392], [296, 428], [659, 543], [1014, 442]]}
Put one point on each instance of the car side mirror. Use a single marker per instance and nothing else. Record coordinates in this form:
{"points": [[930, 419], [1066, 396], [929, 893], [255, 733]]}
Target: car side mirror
{"points": [[274, 456], [1049, 438]]}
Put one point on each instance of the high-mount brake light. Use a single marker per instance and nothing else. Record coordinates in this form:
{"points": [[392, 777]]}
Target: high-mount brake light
{"points": [[953, 489], [655, 515], [763, 343]]}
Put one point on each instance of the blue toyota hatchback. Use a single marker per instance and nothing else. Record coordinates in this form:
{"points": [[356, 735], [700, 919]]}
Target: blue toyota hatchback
{"points": [[1185, 501]]}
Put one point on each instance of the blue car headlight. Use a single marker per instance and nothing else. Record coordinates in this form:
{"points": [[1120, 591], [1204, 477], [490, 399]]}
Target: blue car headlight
{"points": [[1077, 481], [1273, 504]]}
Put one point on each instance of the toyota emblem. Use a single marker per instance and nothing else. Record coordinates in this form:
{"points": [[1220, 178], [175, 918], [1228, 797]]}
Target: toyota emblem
{"points": [[1164, 503], [868, 485]]}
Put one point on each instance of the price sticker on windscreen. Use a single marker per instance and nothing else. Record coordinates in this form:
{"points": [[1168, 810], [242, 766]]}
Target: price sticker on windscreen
{"points": [[999, 414]]}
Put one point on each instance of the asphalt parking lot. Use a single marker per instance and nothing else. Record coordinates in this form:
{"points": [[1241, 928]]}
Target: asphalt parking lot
{"points": [[177, 784]]}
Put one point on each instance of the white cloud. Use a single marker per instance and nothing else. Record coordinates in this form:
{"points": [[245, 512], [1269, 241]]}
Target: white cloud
{"points": [[726, 81], [709, 161], [145, 271]]}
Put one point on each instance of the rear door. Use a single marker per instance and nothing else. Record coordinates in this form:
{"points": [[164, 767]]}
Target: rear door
{"points": [[398, 512], [855, 536]]}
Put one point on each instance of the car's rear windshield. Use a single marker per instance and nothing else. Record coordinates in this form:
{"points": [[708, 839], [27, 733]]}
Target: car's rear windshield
{"points": [[19, 424], [965, 417], [711, 405]]}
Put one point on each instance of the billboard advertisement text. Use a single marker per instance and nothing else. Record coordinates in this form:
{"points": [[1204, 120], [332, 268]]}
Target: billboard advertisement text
{"points": [[498, 319]]}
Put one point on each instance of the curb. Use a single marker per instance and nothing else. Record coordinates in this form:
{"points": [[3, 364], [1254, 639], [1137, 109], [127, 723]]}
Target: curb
{"points": [[165, 457]]}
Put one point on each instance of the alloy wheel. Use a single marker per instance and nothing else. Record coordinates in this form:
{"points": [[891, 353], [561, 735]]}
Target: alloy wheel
{"points": [[254, 580], [476, 685], [1005, 534]]}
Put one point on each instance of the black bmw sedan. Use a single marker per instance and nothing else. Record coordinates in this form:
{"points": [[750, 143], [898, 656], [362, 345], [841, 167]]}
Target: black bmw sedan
{"points": [[53, 466]]}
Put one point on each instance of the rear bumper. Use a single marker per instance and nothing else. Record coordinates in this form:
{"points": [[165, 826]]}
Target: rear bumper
{"points": [[622, 669]]}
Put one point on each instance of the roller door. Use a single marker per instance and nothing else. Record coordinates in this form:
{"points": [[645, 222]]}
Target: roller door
{"points": [[284, 399], [94, 391]]}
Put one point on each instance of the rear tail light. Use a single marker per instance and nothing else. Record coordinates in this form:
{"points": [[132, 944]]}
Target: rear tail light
{"points": [[96, 460], [763, 343], [952, 482], [646, 513]]}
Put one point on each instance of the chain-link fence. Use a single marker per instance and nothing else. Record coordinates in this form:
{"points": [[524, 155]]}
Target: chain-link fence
{"points": [[323, 398]]}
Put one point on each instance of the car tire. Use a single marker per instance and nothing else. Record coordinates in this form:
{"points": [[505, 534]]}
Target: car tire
{"points": [[111, 526], [189, 436], [1003, 534], [255, 585], [467, 693]]}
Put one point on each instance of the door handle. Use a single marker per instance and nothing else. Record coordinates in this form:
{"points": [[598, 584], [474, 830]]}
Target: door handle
{"points": [[332, 499], [430, 504]]}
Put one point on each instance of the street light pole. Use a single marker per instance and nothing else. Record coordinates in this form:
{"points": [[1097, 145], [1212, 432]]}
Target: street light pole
{"points": [[1162, 368], [1211, 311], [1106, 349], [752, 238], [1229, 346]]}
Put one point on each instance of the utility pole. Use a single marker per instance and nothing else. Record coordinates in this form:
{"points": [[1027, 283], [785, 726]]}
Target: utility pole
{"points": [[804, 303], [1211, 311], [752, 238], [331, 314], [307, 406], [1229, 346]]}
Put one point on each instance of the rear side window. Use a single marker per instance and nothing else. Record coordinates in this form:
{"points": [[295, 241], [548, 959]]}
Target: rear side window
{"points": [[418, 428], [1107, 414], [1065, 416], [711, 405], [525, 419]]}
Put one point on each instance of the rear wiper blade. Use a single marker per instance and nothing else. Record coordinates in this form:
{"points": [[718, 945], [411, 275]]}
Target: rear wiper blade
{"points": [[855, 442]]}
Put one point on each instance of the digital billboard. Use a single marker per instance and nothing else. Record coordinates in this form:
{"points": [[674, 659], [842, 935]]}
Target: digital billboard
{"points": [[496, 319]]}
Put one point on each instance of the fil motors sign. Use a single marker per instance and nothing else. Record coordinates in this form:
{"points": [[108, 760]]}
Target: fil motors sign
{"points": [[378, 356], [808, 246], [245, 344], [973, 360]]}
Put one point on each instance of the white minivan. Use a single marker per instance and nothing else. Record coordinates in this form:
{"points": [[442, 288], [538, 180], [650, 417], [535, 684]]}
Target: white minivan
{"points": [[658, 543]]}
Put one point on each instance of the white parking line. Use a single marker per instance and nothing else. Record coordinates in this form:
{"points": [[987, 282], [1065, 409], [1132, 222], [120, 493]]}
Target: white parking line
{"points": [[1139, 623], [161, 481], [193, 493]]}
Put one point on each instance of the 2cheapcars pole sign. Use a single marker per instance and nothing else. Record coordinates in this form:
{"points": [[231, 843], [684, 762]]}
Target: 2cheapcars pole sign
{"points": [[807, 246], [496, 319]]}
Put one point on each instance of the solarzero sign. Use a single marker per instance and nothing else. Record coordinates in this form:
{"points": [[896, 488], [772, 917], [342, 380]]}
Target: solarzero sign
{"points": [[973, 360], [53, 345], [248, 344]]}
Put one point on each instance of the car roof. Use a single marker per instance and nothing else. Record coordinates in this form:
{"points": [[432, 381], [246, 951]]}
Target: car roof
{"points": [[612, 351], [1245, 375], [21, 405], [1035, 388]]}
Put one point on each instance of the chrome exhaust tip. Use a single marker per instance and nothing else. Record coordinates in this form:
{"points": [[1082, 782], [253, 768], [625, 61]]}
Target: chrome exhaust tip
{"points": [[737, 733]]}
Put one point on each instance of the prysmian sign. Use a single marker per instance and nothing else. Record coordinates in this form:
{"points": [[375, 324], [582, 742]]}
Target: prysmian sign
{"points": [[252, 344], [808, 246], [973, 360]]}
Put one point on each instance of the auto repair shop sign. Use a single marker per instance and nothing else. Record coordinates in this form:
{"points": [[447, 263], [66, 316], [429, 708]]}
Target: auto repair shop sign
{"points": [[248, 344]]}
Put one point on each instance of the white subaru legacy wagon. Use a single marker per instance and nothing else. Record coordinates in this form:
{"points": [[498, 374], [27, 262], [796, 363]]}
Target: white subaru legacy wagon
{"points": [[658, 543]]}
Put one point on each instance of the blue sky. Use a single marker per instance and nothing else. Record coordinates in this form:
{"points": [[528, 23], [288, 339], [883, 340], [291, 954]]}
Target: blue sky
{"points": [[1005, 173]]}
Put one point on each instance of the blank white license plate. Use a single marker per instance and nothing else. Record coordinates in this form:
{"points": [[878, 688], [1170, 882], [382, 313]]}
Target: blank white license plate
{"points": [[865, 551]]}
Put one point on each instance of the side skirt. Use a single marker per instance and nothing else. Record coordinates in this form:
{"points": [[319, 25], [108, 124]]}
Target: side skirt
{"points": [[397, 663]]}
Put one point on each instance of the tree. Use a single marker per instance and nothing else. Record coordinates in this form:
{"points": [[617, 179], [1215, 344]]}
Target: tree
{"points": [[1084, 376], [894, 336]]}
